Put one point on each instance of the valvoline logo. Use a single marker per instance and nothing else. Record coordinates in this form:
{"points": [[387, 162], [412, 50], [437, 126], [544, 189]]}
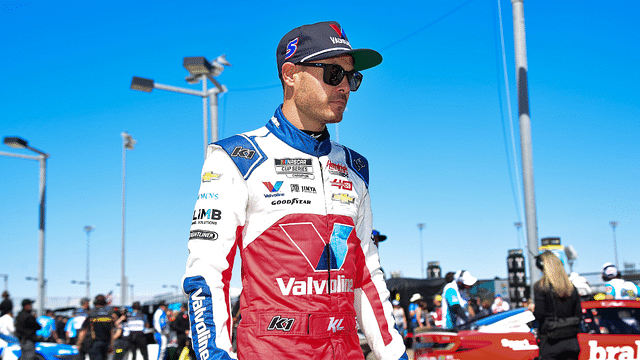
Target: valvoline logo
{"points": [[273, 188], [320, 255], [292, 47], [338, 30]]}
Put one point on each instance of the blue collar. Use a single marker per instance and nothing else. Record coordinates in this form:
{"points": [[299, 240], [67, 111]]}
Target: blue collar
{"points": [[294, 137]]}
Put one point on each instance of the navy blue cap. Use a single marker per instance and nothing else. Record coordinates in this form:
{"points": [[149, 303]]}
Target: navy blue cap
{"points": [[322, 40]]}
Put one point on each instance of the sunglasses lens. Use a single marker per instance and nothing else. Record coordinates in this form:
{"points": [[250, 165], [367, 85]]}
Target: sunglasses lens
{"points": [[355, 80], [334, 74]]}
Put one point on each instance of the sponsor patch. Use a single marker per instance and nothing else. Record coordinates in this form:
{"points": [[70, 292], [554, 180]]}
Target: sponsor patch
{"points": [[273, 189], [303, 188], [342, 184], [294, 201], [337, 169], [208, 196], [206, 216], [343, 198], [203, 235], [320, 253], [210, 176], [295, 168], [239, 151], [280, 323]]}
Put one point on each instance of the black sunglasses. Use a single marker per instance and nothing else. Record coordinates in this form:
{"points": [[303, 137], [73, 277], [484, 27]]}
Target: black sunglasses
{"points": [[333, 75]]}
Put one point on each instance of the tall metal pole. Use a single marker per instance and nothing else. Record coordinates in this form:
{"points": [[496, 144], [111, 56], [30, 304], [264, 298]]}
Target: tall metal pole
{"points": [[88, 229], [213, 104], [127, 143], [43, 188], [520, 48], [420, 227], [204, 115], [614, 225]]}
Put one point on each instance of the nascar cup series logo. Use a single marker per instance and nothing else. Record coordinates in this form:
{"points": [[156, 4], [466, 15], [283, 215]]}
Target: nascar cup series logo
{"points": [[295, 168]]}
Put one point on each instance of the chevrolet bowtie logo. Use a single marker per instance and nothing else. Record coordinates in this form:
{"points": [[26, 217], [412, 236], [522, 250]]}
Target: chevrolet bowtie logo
{"points": [[343, 198]]}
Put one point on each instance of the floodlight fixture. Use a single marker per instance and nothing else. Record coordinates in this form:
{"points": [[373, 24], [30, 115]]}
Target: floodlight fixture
{"points": [[142, 84], [197, 65], [16, 142]]}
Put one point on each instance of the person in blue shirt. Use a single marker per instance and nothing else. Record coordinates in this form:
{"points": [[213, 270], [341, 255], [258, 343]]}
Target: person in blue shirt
{"points": [[48, 331], [161, 325], [454, 304]]}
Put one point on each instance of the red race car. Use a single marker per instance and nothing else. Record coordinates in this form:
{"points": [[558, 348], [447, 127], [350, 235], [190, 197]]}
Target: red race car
{"points": [[610, 331]]}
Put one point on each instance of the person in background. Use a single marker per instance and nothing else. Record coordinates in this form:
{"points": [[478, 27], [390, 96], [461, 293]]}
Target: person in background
{"points": [[7, 325], [137, 322], [455, 306], [61, 323], [75, 324], [121, 334], [161, 325], [499, 305], [182, 328], [26, 327], [616, 287], [399, 316], [98, 328], [48, 331], [6, 306], [555, 298], [436, 314], [415, 312]]}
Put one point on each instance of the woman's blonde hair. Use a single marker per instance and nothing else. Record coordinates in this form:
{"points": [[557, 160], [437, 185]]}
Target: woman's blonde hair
{"points": [[554, 276]]}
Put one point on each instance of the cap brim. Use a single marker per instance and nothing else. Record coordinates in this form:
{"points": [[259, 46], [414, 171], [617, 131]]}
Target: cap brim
{"points": [[365, 59], [362, 58]]}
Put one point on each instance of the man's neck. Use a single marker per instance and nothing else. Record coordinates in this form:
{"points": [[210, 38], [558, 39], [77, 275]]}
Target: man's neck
{"points": [[296, 119]]}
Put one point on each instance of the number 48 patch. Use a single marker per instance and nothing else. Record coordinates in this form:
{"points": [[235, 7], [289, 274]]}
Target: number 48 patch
{"points": [[342, 184]]}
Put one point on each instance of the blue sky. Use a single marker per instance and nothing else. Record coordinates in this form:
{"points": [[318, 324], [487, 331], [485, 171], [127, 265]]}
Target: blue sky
{"points": [[431, 119]]}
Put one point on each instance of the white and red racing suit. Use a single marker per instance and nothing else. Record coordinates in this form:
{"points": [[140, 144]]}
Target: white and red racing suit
{"points": [[299, 211]]}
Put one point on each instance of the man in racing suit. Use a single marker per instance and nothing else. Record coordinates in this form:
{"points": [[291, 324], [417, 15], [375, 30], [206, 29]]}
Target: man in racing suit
{"points": [[297, 206]]}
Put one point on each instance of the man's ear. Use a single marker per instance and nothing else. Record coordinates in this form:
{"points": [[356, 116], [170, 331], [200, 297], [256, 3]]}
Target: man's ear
{"points": [[288, 72]]}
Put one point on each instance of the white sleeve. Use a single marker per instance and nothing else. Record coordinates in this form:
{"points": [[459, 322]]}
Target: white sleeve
{"points": [[218, 217], [373, 309]]}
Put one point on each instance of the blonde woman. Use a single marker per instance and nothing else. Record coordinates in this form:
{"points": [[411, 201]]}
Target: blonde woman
{"points": [[557, 310]]}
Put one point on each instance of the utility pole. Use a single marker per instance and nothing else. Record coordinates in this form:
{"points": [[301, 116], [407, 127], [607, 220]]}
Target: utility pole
{"points": [[614, 225], [88, 229], [420, 227], [531, 222]]}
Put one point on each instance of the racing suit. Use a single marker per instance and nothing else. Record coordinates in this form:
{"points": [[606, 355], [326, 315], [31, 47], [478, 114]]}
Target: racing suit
{"points": [[299, 211], [161, 325]]}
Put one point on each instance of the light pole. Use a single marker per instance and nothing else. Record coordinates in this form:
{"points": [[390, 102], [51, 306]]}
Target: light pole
{"points": [[518, 226], [131, 287], [522, 69], [614, 225], [420, 227], [88, 229], [127, 144], [20, 143], [199, 71]]}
